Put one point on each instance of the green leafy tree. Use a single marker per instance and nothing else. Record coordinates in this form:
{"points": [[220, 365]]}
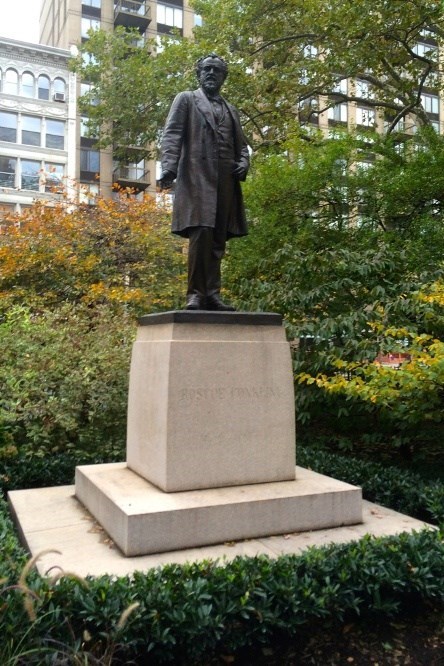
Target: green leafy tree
{"points": [[413, 392], [344, 232], [282, 72], [342, 252]]}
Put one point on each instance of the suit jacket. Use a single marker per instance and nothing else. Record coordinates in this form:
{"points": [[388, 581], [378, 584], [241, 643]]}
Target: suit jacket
{"points": [[190, 150]]}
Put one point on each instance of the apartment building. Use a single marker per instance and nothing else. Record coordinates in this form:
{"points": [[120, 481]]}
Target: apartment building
{"points": [[336, 113], [37, 125], [65, 24]]}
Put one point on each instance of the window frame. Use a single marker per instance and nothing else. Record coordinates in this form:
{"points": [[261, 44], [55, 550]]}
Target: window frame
{"points": [[13, 180], [7, 83], [61, 135], [15, 129], [30, 133], [33, 176], [164, 7], [39, 87]]}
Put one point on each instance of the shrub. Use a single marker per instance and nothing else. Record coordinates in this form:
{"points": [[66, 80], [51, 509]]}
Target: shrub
{"points": [[186, 613], [390, 486], [64, 378], [116, 253]]}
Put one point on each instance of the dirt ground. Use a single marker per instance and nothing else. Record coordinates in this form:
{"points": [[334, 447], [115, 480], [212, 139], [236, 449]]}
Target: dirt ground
{"points": [[416, 640]]}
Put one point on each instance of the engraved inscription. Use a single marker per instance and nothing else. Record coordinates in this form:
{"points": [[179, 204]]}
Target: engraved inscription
{"points": [[232, 392]]}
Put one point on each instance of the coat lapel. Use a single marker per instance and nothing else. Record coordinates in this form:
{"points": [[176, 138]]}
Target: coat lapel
{"points": [[204, 107]]}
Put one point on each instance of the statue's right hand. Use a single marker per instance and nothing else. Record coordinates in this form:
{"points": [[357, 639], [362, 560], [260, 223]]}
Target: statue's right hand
{"points": [[166, 180]]}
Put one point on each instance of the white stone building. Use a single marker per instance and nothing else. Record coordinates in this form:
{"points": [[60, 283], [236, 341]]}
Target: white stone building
{"points": [[65, 23], [37, 125]]}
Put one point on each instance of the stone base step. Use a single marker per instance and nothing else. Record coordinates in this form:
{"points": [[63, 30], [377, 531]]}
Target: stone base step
{"points": [[141, 519]]}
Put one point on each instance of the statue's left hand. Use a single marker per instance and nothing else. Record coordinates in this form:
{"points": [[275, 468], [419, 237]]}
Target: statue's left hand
{"points": [[166, 180], [239, 171]]}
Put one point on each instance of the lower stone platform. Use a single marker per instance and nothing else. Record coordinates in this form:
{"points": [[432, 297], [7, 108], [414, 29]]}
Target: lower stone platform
{"points": [[54, 523], [142, 519]]}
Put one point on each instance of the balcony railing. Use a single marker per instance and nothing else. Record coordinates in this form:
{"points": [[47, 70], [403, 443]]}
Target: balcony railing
{"points": [[132, 14], [7, 179], [135, 178]]}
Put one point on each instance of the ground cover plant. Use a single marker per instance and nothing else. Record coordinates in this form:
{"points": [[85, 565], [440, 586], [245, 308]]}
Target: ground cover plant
{"points": [[192, 613], [202, 612]]}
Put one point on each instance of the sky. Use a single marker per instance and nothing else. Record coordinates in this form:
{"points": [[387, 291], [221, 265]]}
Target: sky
{"points": [[20, 19]]}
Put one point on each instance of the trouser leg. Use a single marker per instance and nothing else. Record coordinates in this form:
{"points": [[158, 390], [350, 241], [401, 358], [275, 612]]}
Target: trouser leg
{"points": [[199, 260], [225, 198], [207, 244], [217, 252]]}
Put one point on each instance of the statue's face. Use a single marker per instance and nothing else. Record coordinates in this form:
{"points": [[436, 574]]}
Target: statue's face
{"points": [[211, 75]]}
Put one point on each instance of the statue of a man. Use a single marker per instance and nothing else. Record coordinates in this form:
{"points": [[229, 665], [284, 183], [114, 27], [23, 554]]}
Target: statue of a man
{"points": [[204, 147]]}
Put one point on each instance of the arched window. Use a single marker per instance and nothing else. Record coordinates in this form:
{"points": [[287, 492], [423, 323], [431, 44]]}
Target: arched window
{"points": [[27, 87], [43, 87], [59, 90], [10, 86]]}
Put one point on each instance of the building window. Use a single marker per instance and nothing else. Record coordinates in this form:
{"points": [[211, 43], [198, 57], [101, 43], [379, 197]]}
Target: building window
{"points": [[88, 24], [340, 86], [338, 113], [27, 85], [133, 7], [85, 132], [43, 87], [365, 117], [10, 85], [55, 134], [88, 90], [89, 160], [363, 89], [54, 174], [133, 170], [30, 175], [425, 50], [8, 126], [92, 3], [59, 88], [6, 212], [170, 16], [430, 103], [31, 130], [88, 194], [8, 166]]}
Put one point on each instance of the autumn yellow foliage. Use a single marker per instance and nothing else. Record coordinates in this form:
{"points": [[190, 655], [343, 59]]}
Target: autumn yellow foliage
{"points": [[117, 252], [412, 391]]}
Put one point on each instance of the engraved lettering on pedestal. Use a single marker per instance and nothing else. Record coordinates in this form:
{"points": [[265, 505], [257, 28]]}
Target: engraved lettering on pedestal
{"points": [[199, 394]]}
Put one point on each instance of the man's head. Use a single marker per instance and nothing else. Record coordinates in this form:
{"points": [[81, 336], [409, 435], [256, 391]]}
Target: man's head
{"points": [[211, 70]]}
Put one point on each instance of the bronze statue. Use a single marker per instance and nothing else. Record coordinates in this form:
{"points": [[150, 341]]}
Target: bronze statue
{"points": [[204, 147]]}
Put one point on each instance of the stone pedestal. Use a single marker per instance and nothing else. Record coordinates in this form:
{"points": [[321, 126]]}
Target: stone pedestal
{"points": [[211, 441], [211, 401]]}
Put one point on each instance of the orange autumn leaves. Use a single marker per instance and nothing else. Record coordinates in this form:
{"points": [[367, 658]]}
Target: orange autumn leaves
{"points": [[117, 252]]}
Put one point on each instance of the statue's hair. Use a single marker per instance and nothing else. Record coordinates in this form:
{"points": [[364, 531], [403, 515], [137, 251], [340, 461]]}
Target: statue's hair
{"points": [[199, 63]]}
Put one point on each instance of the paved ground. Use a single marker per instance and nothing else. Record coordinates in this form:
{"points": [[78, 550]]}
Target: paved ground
{"points": [[53, 519]]}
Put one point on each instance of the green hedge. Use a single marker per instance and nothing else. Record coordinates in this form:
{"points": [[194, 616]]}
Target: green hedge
{"points": [[390, 486], [187, 613], [25, 471]]}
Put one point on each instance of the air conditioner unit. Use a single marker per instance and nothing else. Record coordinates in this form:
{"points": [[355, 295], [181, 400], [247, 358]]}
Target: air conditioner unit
{"points": [[59, 97]]}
